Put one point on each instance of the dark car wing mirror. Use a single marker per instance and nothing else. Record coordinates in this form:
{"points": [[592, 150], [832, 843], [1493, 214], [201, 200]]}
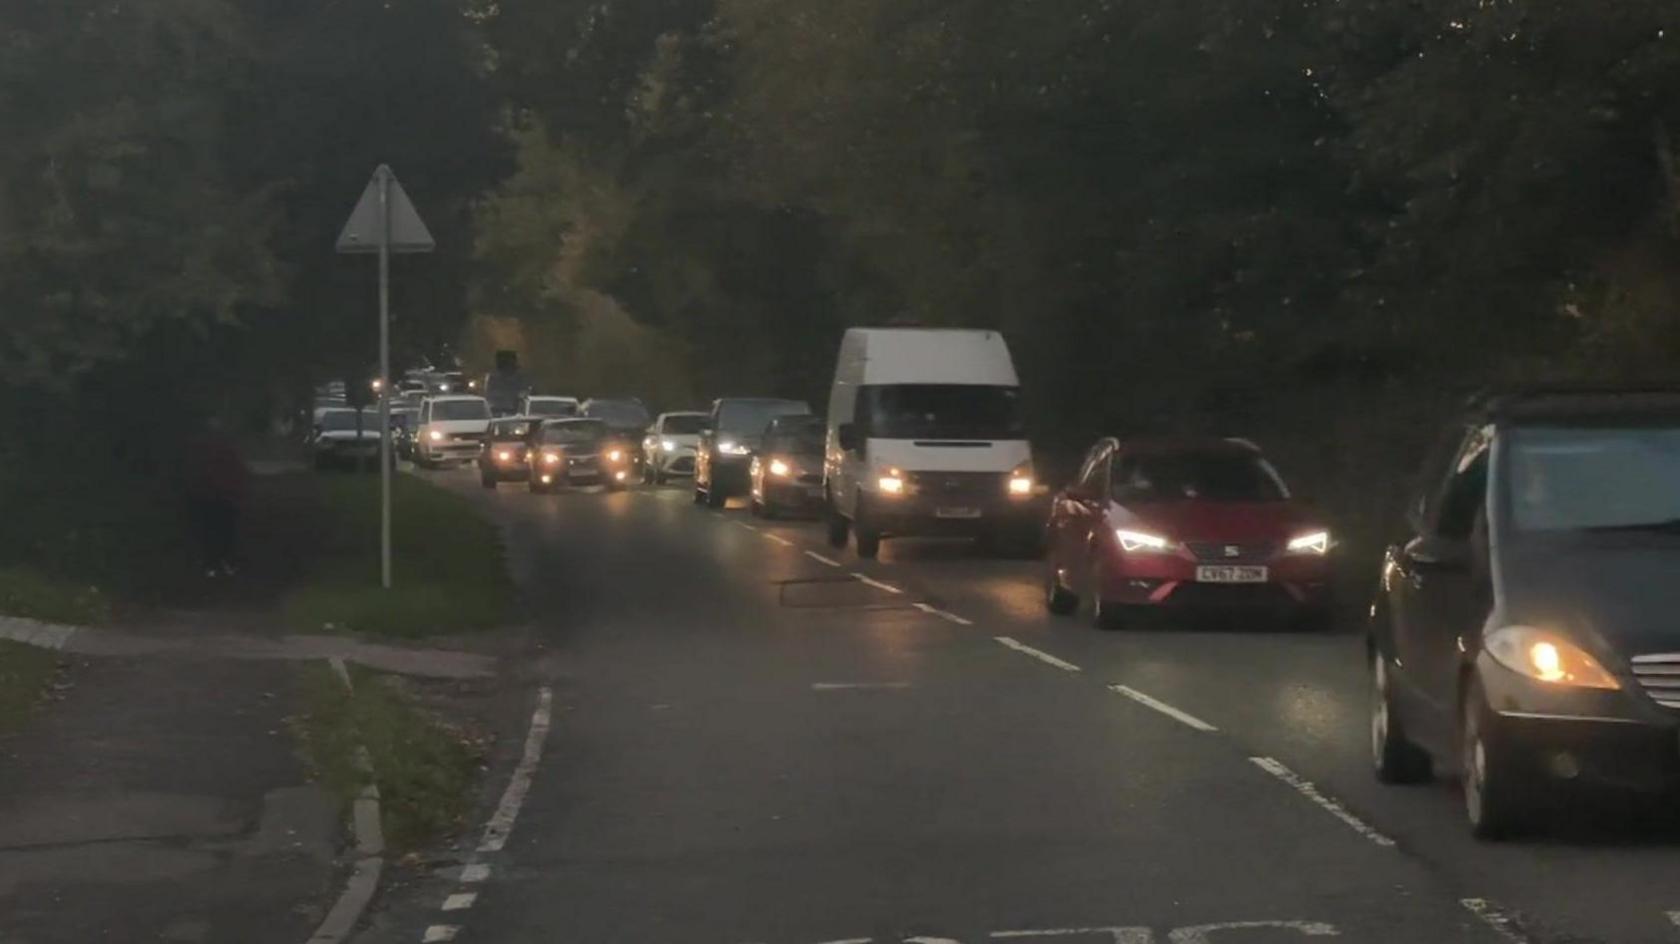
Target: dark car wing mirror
{"points": [[849, 438], [1439, 554]]}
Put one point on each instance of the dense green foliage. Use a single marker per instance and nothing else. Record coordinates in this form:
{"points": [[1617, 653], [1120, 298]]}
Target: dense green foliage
{"points": [[1313, 221]]}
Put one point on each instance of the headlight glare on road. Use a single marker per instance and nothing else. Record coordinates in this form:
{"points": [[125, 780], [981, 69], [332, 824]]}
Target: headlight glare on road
{"points": [[1314, 542], [780, 469], [1547, 657], [1142, 542]]}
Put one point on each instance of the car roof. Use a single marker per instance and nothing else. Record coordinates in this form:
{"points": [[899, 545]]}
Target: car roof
{"points": [[758, 400], [550, 396], [564, 420], [1180, 445], [1577, 402], [454, 397], [683, 413], [781, 424]]}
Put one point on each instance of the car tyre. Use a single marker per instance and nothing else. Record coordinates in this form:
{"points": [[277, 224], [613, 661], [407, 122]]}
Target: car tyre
{"points": [[838, 527], [1394, 756], [487, 480], [1497, 801], [715, 498], [1058, 599], [1104, 615]]}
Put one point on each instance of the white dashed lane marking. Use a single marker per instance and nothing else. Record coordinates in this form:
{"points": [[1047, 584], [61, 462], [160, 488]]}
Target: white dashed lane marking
{"points": [[950, 617], [1164, 708], [440, 932], [1502, 924], [1040, 655], [778, 539], [853, 686], [460, 901], [821, 559], [1311, 792], [475, 873], [866, 579]]}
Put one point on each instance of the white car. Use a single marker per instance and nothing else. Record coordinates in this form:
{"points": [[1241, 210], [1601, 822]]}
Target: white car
{"points": [[669, 446], [549, 408], [451, 429]]}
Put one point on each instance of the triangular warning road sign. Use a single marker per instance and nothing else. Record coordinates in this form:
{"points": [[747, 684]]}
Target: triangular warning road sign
{"points": [[365, 229]]}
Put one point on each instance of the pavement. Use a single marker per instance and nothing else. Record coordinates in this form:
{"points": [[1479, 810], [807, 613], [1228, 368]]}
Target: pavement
{"points": [[160, 800], [761, 740]]}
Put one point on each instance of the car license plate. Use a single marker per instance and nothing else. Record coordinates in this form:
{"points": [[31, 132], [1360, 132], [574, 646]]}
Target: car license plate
{"points": [[1230, 574], [956, 513]]}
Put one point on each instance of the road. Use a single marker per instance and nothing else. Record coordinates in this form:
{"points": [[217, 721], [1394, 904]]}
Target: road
{"points": [[759, 740]]}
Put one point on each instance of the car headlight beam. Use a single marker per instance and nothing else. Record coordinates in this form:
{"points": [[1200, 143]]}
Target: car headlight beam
{"points": [[1547, 657], [891, 482], [780, 469], [1142, 542], [1313, 542]]}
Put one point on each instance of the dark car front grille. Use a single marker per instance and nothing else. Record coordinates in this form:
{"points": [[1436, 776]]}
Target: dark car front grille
{"points": [[957, 486], [1232, 552], [1659, 675], [811, 478], [1230, 596]]}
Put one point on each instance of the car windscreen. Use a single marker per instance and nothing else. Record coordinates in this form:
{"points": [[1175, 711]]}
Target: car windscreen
{"points": [[750, 417], [940, 411], [805, 441], [1593, 479], [335, 421], [619, 414], [509, 430], [1208, 476], [688, 424], [573, 434], [460, 410], [551, 408]]}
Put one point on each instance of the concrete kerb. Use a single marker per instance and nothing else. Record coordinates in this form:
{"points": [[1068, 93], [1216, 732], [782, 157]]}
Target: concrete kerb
{"points": [[358, 892], [36, 633]]}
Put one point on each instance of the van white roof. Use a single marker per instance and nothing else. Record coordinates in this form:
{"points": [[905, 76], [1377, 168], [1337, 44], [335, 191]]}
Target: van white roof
{"points": [[934, 356]]}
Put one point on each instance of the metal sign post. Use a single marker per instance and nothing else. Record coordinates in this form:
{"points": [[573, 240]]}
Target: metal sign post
{"points": [[384, 221]]}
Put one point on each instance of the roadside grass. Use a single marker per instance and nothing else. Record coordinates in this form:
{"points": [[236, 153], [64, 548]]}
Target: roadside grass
{"points": [[449, 569], [424, 769], [25, 673], [29, 593]]}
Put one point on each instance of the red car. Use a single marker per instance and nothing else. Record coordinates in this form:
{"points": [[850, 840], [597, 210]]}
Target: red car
{"points": [[1203, 524]]}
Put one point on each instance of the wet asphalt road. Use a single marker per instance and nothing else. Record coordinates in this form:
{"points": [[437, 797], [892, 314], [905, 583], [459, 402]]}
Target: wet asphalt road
{"points": [[752, 745]]}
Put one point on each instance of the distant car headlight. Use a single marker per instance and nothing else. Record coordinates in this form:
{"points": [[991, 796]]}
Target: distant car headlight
{"points": [[1315, 542], [1142, 542], [552, 458], [669, 445], [891, 482], [1547, 657], [437, 435], [505, 456], [780, 469], [617, 455], [730, 447]]}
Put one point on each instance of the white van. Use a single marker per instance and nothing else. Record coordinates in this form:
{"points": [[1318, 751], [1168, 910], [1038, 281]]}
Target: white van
{"points": [[450, 429], [925, 437]]}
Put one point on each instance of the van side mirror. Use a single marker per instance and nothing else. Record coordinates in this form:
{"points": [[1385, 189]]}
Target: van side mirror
{"points": [[848, 437]]}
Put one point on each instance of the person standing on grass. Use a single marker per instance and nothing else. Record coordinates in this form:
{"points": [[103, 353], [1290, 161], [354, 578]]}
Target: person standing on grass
{"points": [[216, 483]]}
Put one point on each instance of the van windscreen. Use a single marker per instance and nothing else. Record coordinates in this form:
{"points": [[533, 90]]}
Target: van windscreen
{"points": [[940, 411]]}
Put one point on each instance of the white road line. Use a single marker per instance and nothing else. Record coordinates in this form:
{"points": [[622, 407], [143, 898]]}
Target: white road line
{"points": [[743, 524], [1041, 656], [1115, 935], [1162, 707], [460, 901], [1311, 792], [438, 933], [475, 873], [501, 822], [850, 686], [866, 579], [1502, 924], [821, 559], [1674, 918], [950, 617], [778, 539], [1203, 933]]}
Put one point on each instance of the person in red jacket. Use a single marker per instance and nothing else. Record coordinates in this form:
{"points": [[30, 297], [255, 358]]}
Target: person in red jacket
{"points": [[217, 480]]}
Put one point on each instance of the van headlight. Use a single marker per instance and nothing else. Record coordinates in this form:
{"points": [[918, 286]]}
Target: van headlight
{"points": [[1547, 657], [890, 482], [1021, 480], [437, 435], [780, 469]]}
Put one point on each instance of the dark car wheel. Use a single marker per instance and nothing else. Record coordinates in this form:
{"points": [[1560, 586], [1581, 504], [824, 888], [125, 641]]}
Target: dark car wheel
{"points": [[838, 527], [1498, 803], [488, 481], [1104, 614], [1394, 756], [1058, 599], [715, 498]]}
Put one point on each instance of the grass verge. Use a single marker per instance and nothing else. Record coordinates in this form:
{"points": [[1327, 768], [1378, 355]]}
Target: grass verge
{"points": [[25, 673], [424, 769], [29, 593], [450, 573]]}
